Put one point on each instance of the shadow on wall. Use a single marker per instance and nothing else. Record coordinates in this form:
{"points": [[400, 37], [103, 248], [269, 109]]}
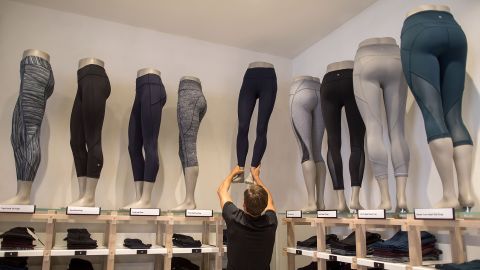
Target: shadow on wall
{"points": [[6, 117], [44, 142]]}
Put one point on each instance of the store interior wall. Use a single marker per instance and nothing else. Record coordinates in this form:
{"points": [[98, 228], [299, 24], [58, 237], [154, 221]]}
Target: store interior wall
{"points": [[125, 49]]}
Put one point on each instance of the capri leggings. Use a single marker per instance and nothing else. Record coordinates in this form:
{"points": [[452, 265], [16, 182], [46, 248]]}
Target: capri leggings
{"points": [[36, 87], [144, 126], [191, 108], [86, 121], [379, 83], [307, 119], [261, 84], [434, 53], [336, 92]]}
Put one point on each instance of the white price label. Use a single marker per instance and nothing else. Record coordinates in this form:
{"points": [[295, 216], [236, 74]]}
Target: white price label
{"points": [[372, 214], [327, 214], [144, 212], [80, 210], [294, 214], [15, 208], [435, 213], [198, 213]]}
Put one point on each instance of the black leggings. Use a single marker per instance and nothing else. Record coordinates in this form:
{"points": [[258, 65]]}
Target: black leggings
{"points": [[261, 84], [336, 92], [144, 127], [87, 120]]}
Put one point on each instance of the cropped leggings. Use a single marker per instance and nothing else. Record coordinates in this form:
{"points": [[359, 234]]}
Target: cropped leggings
{"points": [[434, 53], [261, 84], [144, 127], [379, 84], [307, 119], [191, 108], [86, 121], [36, 87], [336, 92]]}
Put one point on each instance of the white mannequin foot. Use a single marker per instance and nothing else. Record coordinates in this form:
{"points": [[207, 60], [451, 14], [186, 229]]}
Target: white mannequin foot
{"points": [[239, 178], [356, 205], [249, 179], [17, 200], [447, 202], [401, 204], [385, 204], [138, 204], [466, 200], [355, 199], [83, 202], [185, 206], [320, 205], [341, 201], [310, 208]]}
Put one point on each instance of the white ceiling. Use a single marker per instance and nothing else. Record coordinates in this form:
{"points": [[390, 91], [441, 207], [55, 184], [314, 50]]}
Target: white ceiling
{"points": [[279, 27]]}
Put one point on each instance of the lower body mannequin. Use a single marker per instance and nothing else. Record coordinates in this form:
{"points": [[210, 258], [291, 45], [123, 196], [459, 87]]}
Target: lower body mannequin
{"points": [[435, 71], [191, 109], [143, 130], [379, 84], [37, 85], [261, 84], [86, 124], [337, 92], [308, 126]]}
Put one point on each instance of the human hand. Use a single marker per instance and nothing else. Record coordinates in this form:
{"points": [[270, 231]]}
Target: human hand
{"points": [[255, 171], [236, 171]]}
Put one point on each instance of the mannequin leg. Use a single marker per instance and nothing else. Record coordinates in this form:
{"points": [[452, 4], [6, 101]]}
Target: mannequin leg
{"points": [[24, 189], [442, 153], [341, 201], [191, 176], [320, 181], [355, 199], [309, 174], [462, 156], [88, 200], [82, 186], [146, 198], [385, 202], [401, 182], [138, 189]]}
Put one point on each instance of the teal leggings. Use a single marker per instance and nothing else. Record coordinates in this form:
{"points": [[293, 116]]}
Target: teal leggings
{"points": [[434, 54]]}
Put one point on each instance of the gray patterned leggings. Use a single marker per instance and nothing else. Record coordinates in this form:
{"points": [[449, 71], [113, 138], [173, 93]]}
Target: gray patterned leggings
{"points": [[191, 108], [36, 87]]}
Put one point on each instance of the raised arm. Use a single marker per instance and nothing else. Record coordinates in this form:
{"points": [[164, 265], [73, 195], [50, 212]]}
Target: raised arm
{"points": [[222, 190], [256, 177]]}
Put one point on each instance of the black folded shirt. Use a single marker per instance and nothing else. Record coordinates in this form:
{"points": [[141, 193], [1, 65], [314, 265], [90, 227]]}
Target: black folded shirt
{"points": [[185, 241], [135, 244], [179, 263]]}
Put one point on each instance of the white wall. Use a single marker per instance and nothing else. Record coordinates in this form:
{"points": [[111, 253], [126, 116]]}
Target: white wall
{"points": [[385, 18], [125, 49]]}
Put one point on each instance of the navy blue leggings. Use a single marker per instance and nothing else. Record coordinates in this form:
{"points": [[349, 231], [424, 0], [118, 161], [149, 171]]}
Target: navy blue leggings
{"points": [[261, 84], [144, 127]]}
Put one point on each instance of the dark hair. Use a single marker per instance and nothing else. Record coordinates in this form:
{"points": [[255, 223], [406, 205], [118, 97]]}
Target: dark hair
{"points": [[255, 199]]}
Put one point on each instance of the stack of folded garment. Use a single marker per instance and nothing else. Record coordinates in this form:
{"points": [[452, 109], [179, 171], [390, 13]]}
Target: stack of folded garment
{"points": [[79, 239], [79, 264], [331, 265], [475, 264], [179, 263], [135, 244], [17, 263], [311, 243], [395, 249], [17, 238], [185, 241], [347, 246]]}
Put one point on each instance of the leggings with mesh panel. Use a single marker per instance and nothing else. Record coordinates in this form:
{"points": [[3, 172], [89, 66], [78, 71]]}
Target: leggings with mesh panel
{"points": [[434, 53], [336, 93], [307, 119]]}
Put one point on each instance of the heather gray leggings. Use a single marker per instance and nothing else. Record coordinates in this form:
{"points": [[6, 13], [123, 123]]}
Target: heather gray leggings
{"points": [[307, 119], [379, 82], [191, 108]]}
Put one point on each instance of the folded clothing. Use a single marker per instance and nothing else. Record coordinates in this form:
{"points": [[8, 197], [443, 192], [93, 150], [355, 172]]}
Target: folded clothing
{"points": [[395, 249], [17, 238], [347, 246], [79, 239], [13, 263], [79, 264], [179, 263], [135, 244], [472, 265], [312, 241], [331, 265], [185, 241]]}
